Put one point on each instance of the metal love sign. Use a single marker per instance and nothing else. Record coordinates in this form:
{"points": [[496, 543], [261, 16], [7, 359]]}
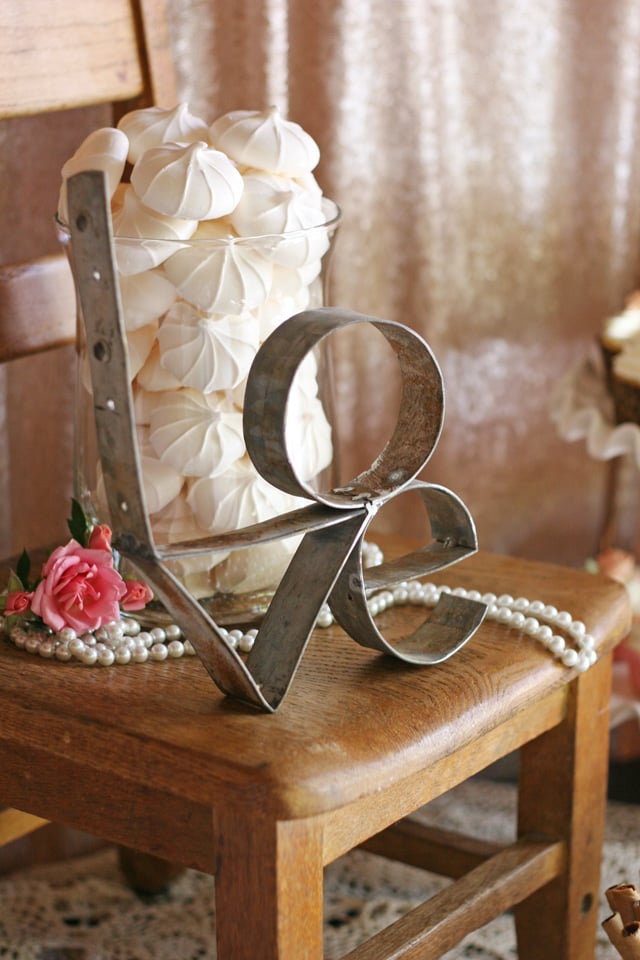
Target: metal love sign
{"points": [[327, 566]]}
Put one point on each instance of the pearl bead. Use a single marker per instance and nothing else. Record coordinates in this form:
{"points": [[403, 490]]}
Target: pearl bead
{"points": [[505, 600], [459, 592], [570, 657], [158, 652], [63, 654], [245, 643], [175, 648], [235, 635], [158, 635], [536, 608], [503, 615], [31, 644], [489, 598], [140, 655], [400, 596], [549, 612], [189, 649], [531, 625], [545, 633], [123, 655], [105, 657], [577, 628], [76, 647], [563, 619], [89, 656], [521, 603], [517, 619], [115, 631], [67, 633], [47, 649], [145, 638], [173, 631], [556, 644], [325, 618], [133, 628]]}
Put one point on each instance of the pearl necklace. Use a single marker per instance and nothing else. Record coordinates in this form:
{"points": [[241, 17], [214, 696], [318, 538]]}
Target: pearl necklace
{"points": [[124, 641]]}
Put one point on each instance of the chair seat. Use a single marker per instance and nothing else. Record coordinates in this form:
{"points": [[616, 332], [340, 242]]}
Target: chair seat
{"points": [[157, 744]]}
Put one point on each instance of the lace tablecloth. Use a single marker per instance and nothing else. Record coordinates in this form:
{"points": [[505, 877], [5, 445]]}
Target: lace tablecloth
{"points": [[82, 910]]}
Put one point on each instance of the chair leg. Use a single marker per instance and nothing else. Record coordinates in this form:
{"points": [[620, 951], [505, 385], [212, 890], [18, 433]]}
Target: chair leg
{"points": [[563, 788], [268, 888]]}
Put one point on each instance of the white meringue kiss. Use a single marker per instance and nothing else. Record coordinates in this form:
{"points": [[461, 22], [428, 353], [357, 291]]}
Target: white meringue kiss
{"points": [[224, 276], [143, 238], [198, 434], [190, 181], [145, 297], [207, 352], [104, 149], [266, 140], [152, 126], [236, 498], [161, 482]]}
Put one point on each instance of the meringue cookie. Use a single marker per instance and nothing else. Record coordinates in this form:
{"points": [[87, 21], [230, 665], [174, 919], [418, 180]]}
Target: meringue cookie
{"points": [[145, 297], [144, 238], [104, 149], [235, 498], [220, 277], [278, 309], [255, 568], [176, 523], [191, 181], [265, 140], [161, 482], [139, 345], [271, 206], [153, 377], [153, 126], [307, 434], [207, 352], [198, 434]]}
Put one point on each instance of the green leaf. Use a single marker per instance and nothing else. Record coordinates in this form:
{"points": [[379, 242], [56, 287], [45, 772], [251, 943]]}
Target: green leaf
{"points": [[23, 569], [79, 526], [14, 582]]}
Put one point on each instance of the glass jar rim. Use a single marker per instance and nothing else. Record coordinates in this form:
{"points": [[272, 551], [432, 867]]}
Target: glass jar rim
{"points": [[332, 210]]}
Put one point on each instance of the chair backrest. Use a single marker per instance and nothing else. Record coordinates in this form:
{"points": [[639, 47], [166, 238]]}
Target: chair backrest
{"points": [[61, 56]]}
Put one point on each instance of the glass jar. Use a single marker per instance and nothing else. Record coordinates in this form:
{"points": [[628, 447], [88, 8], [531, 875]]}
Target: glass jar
{"points": [[195, 313]]}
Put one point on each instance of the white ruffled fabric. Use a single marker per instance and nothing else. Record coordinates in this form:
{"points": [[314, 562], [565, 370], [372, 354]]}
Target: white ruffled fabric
{"points": [[83, 910], [581, 409]]}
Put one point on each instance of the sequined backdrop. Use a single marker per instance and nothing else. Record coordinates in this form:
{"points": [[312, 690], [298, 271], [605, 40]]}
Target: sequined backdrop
{"points": [[485, 155]]}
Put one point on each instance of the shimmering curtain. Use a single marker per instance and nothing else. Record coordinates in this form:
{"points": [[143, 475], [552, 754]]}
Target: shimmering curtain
{"points": [[485, 154]]}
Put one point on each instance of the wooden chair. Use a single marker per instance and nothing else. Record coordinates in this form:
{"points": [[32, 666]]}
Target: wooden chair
{"points": [[161, 761], [155, 758], [114, 54]]}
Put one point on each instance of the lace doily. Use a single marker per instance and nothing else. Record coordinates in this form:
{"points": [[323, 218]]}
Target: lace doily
{"points": [[83, 910]]}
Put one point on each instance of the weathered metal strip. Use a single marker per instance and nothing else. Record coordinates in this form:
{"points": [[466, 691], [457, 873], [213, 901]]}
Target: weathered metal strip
{"points": [[415, 434], [452, 622]]}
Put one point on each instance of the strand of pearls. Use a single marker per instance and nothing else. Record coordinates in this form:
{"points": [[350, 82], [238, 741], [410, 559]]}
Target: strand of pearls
{"points": [[126, 642]]}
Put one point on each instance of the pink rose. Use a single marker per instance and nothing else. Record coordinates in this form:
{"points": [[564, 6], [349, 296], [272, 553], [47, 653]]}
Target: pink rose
{"points": [[80, 589], [100, 538], [18, 601], [137, 596]]}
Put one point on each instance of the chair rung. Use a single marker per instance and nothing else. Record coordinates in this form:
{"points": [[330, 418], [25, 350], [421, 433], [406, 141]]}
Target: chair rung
{"points": [[15, 824], [444, 852], [467, 904]]}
